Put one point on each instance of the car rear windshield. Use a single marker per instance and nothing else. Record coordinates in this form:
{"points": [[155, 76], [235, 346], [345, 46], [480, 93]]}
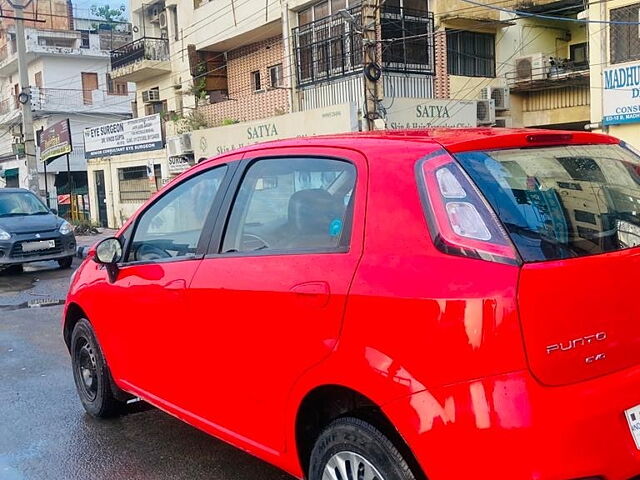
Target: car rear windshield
{"points": [[20, 203], [562, 202]]}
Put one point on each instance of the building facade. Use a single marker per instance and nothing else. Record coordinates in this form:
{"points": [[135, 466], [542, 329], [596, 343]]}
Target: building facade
{"points": [[68, 71], [531, 58], [615, 70]]}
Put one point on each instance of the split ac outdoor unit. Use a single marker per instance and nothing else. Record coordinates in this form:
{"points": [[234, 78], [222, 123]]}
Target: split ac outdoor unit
{"points": [[486, 112], [180, 145], [532, 67], [499, 94], [504, 122], [163, 20], [151, 96]]}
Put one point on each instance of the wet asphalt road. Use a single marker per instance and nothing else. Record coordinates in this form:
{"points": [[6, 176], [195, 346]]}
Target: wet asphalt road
{"points": [[45, 434]]}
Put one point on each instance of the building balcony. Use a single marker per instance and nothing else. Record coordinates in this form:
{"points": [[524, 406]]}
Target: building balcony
{"points": [[141, 59], [533, 74], [54, 100], [557, 7]]}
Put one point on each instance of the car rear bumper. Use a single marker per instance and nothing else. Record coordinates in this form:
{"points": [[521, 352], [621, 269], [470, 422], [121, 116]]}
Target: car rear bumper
{"points": [[512, 427], [11, 252]]}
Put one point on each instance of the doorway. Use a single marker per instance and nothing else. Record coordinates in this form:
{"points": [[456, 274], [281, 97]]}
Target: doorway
{"points": [[101, 192]]}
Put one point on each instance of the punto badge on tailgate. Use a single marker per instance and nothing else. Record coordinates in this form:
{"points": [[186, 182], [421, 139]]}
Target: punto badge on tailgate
{"points": [[576, 343]]}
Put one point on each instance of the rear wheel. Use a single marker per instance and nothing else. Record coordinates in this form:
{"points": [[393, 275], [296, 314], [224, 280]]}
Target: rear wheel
{"points": [[65, 263], [91, 374], [351, 449]]}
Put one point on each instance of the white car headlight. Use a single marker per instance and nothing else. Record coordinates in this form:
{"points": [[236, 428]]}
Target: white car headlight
{"points": [[4, 235], [66, 228]]}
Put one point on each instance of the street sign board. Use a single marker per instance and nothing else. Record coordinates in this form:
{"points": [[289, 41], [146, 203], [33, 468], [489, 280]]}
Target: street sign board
{"points": [[55, 141], [621, 94], [129, 136], [427, 113]]}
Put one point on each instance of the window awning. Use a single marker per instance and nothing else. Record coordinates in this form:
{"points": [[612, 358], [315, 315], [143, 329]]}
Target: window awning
{"points": [[10, 173]]}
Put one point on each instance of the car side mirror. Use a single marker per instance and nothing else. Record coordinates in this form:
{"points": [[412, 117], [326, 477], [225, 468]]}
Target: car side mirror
{"points": [[54, 211], [109, 253]]}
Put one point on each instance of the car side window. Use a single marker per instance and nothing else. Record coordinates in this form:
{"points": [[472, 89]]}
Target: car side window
{"points": [[172, 226], [292, 204]]}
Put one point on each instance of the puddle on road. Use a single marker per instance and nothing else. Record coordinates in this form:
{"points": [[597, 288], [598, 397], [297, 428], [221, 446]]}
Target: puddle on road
{"points": [[16, 283]]}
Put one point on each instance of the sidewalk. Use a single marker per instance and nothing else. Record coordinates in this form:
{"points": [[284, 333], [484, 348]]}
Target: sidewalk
{"points": [[85, 242]]}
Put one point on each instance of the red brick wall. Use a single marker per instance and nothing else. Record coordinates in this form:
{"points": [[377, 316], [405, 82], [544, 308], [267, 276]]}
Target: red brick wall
{"points": [[245, 104], [442, 76]]}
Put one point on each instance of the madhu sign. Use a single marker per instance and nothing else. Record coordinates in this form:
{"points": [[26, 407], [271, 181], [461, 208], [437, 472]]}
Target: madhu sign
{"points": [[129, 136], [427, 113], [322, 121], [621, 95]]}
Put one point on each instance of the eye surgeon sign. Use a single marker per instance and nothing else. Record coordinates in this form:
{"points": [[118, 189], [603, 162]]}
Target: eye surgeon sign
{"points": [[129, 136], [621, 94]]}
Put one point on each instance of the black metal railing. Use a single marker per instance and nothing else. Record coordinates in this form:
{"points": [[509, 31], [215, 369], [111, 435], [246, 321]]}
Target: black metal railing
{"points": [[332, 47], [146, 48]]}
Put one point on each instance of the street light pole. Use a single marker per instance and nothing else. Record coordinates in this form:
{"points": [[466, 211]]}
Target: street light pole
{"points": [[25, 97]]}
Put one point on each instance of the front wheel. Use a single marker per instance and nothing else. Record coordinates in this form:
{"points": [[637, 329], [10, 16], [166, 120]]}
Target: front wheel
{"points": [[65, 263], [350, 448], [91, 374]]}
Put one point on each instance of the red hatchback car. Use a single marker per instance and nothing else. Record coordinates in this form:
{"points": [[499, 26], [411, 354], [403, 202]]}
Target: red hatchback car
{"points": [[441, 304]]}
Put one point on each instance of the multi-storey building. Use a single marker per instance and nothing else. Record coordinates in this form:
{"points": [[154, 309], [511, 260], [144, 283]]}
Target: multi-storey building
{"points": [[531, 57], [68, 67]]}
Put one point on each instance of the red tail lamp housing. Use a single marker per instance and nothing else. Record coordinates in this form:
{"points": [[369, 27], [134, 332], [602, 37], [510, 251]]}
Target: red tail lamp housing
{"points": [[460, 220]]}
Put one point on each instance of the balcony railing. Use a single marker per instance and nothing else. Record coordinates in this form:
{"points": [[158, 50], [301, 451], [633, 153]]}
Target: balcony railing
{"points": [[557, 72], [147, 48]]}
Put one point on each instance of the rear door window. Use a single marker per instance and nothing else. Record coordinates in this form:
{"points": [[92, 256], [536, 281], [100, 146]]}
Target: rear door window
{"points": [[292, 204], [562, 202]]}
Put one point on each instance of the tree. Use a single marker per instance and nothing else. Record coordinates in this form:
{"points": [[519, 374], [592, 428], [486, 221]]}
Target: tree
{"points": [[109, 14]]}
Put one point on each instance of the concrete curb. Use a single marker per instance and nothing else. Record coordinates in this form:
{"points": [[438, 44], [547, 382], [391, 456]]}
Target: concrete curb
{"points": [[82, 251]]}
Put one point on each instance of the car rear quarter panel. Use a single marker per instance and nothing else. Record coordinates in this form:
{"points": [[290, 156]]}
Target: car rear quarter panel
{"points": [[417, 319]]}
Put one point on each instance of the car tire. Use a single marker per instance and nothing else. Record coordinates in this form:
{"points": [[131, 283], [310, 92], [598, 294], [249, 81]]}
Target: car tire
{"points": [[353, 444], [91, 374], [65, 263]]}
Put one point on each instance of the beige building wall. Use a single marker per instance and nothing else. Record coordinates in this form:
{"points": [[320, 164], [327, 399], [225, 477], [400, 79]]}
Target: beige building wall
{"points": [[600, 59]]}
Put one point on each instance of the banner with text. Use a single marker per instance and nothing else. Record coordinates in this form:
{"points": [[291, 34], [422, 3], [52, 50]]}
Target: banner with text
{"points": [[429, 113], [621, 94], [129, 136], [323, 121], [55, 141]]}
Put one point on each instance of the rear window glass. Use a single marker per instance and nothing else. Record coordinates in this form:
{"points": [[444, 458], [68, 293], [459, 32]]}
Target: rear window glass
{"points": [[562, 202]]}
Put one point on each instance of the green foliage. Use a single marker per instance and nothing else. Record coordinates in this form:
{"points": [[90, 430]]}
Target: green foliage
{"points": [[229, 121], [190, 122], [108, 13]]}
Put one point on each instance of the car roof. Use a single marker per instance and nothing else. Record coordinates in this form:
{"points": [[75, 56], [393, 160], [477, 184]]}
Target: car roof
{"points": [[453, 139], [14, 190]]}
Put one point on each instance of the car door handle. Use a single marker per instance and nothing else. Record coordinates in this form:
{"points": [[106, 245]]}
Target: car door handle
{"points": [[314, 294]]}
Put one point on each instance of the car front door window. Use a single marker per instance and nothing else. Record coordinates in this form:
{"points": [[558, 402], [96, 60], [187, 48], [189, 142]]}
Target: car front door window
{"points": [[172, 226]]}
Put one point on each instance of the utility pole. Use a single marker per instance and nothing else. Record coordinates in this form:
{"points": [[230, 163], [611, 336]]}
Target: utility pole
{"points": [[24, 97], [372, 70]]}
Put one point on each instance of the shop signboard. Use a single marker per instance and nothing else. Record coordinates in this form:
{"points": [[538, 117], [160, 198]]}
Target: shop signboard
{"points": [[55, 141], [621, 94], [411, 113], [128, 136], [323, 121]]}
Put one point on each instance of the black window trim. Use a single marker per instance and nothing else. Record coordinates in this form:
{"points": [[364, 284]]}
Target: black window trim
{"points": [[209, 225], [215, 246]]}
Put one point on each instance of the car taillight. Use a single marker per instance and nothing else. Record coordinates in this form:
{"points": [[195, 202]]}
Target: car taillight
{"points": [[460, 220]]}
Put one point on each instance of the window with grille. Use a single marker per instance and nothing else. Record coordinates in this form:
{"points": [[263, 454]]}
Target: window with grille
{"points": [[625, 38], [134, 184], [275, 75], [471, 54], [329, 38]]}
